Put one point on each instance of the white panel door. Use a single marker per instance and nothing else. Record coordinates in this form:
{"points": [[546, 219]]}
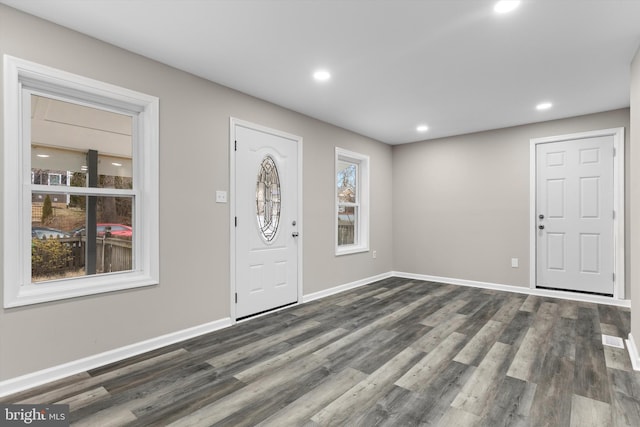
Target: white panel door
{"points": [[574, 204], [266, 201]]}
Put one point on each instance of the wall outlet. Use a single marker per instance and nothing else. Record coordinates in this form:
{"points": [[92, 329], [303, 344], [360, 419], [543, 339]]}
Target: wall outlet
{"points": [[514, 262], [221, 196], [374, 254]]}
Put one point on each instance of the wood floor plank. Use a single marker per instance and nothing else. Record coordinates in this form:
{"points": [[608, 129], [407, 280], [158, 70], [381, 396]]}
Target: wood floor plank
{"points": [[429, 406], [107, 420], [308, 404], [625, 394], [587, 412], [459, 418], [165, 387], [418, 377], [183, 401], [85, 398], [551, 404], [436, 335], [260, 369], [260, 345], [531, 304], [91, 382], [478, 346], [528, 360], [394, 290], [364, 331], [617, 358], [366, 392], [483, 385], [357, 297], [591, 379], [444, 313], [244, 397], [509, 309], [512, 404]]}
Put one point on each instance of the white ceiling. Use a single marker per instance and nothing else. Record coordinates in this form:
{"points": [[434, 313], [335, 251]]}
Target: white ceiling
{"points": [[452, 64]]}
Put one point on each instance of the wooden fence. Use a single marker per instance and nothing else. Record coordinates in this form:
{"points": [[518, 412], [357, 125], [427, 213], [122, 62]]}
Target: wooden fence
{"points": [[346, 234], [112, 254]]}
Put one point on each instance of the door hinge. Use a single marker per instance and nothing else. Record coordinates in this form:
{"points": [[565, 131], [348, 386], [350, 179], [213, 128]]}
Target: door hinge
{"points": [[236, 297], [235, 147], [614, 151], [614, 214], [236, 221], [614, 276]]}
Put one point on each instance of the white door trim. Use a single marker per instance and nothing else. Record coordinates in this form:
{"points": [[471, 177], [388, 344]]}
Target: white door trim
{"points": [[618, 201], [233, 122]]}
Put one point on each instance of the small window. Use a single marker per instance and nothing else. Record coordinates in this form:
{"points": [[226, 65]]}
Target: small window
{"points": [[81, 189], [352, 202]]}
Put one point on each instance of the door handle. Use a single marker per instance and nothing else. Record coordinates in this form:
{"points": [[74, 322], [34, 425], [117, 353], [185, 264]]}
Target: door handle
{"points": [[295, 234], [541, 227]]}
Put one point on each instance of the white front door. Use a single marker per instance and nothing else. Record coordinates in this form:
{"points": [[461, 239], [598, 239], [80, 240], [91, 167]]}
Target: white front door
{"points": [[266, 225], [575, 215]]}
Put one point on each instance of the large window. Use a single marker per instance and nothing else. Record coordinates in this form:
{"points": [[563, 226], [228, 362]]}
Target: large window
{"points": [[352, 202], [80, 186]]}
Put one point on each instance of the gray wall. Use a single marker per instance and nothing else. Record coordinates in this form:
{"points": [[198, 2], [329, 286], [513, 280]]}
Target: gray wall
{"points": [[461, 204], [194, 160], [635, 199]]}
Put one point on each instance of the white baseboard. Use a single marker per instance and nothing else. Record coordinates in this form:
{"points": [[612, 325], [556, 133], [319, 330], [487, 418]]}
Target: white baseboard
{"points": [[54, 373], [633, 353], [572, 296], [345, 287]]}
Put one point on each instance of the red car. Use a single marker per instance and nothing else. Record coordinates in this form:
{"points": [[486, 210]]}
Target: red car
{"points": [[116, 230]]}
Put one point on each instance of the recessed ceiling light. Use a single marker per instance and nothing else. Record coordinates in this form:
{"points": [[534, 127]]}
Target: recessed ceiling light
{"points": [[322, 75], [44, 156], [506, 6], [116, 164], [544, 106], [422, 128]]}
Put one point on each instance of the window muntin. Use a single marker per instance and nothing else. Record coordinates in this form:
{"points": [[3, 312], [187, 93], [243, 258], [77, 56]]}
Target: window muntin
{"points": [[268, 199], [352, 202], [121, 179]]}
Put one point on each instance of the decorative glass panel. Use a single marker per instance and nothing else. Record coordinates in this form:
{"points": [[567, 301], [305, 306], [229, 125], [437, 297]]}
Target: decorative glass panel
{"points": [[268, 198]]}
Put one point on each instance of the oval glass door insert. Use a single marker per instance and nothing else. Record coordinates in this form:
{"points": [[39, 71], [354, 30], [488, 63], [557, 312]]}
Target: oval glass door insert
{"points": [[268, 199]]}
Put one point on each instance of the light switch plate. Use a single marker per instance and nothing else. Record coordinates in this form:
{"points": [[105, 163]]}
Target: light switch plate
{"points": [[221, 196]]}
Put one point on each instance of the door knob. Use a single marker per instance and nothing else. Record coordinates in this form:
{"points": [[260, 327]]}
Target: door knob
{"points": [[541, 216], [541, 227], [294, 234]]}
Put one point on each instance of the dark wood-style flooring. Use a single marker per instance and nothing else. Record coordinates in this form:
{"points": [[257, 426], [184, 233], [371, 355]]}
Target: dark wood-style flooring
{"points": [[393, 353]]}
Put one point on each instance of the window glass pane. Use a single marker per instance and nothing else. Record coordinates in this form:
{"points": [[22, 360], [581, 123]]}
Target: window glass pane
{"points": [[63, 133], [347, 218], [347, 182], [59, 246]]}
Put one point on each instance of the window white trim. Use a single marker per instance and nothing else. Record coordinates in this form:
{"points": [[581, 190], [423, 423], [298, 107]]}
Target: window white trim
{"points": [[20, 75], [362, 194]]}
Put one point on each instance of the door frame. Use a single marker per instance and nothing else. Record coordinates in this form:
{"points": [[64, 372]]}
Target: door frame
{"points": [[233, 122], [618, 202]]}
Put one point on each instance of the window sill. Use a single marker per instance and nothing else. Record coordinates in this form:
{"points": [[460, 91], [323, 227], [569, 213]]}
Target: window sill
{"points": [[348, 250], [73, 288]]}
